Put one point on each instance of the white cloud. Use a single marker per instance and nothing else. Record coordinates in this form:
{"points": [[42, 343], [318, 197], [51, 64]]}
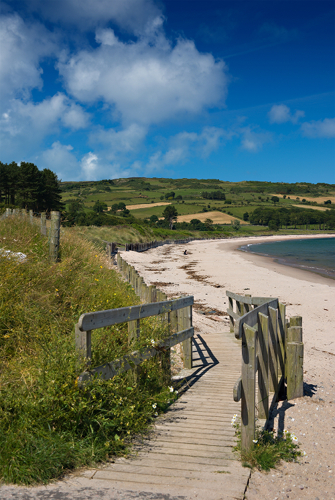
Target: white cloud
{"points": [[280, 113], [321, 128], [90, 166], [147, 81], [120, 142], [131, 15], [252, 140], [60, 159], [23, 45]]}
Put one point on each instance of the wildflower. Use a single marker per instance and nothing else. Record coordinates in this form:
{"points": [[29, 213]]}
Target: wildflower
{"points": [[304, 453], [171, 389], [154, 406], [255, 441], [176, 392], [100, 267], [156, 414], [153, 343], [294, 439]]}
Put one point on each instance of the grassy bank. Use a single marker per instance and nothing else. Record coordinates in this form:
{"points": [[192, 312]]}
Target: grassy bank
{"points": [[47, 424]]}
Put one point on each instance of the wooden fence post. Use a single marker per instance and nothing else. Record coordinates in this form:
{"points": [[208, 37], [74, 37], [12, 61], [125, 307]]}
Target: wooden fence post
{"points": [[43, 224], [231, 319], [83, 344], [273, 350], [31, 217], [263, 366], [248, 386], [184, 323], [54, 236], [295, 359], [281, 329]]}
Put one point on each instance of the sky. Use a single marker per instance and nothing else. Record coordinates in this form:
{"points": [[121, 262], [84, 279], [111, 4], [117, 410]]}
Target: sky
{"points": [[214, 89]]}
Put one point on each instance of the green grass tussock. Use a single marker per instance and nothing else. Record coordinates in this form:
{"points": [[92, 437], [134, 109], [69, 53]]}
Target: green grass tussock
{"points": [[47, 424]]}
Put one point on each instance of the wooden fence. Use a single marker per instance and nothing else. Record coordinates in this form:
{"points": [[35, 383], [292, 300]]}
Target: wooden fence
{"points": [[54, 229], [112, 248], [176, 313], [272, 356]]}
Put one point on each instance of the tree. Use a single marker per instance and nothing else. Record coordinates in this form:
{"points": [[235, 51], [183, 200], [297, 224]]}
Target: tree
{"points": [[275, 199], [169, 195], [246, 216], [50, 195], [170, 214], [153, 219], [99, 207], [236, 224]]}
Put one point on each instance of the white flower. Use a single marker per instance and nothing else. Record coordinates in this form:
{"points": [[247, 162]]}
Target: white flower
{"points": [[255, 441], [153, 343], [171, 389], [176, 392], [154, 406], [294, 439], [156, 414], [304, 453]]}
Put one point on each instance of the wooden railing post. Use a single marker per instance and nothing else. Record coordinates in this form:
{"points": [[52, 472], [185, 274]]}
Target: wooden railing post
{"points": [[295, 359], [273, 350], [83, 344], [263, 366], [184, 323], [231, 319], [248, 386], [54, 236], [281, 339], [43, 224], [31, 217]]}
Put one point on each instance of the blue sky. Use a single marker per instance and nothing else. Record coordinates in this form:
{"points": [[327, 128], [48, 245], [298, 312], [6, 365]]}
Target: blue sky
{"points": [[232, 90]]}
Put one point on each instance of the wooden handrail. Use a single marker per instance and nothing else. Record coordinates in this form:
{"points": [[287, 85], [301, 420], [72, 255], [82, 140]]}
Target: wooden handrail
{"points": [[176, 312]]}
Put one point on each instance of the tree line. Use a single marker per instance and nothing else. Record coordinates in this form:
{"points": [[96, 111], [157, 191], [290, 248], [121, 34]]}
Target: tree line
{"points": [[25, 186], [277, 218]]}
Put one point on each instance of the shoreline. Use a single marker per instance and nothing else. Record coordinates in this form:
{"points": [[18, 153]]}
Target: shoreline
{"points": [[274, 263]]}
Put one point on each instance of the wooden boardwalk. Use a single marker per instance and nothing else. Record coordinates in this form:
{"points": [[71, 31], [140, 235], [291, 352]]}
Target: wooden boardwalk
{"points": [[189, 453]]}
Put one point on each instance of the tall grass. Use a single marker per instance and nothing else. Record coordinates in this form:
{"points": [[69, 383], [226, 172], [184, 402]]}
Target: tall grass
{"points": [[48, 424]]}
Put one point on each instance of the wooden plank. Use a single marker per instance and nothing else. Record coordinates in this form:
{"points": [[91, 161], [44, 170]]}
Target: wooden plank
{"points": [[294, 334], [231, 318], [273, 354], [295, 361], [281, 339], [251, 318], [246, 299], [109, 317], [109, 370], [248, 386], [263, 366]]}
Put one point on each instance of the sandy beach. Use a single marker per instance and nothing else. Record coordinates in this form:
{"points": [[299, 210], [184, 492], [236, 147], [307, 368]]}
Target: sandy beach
{"points": [[207, 271]]}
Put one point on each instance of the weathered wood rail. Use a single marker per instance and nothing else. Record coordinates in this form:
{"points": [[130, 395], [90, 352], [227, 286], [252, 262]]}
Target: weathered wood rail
{"points": [[272, 356], [176, 313]]}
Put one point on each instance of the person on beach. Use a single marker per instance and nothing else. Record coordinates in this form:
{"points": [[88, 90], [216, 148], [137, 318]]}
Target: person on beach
{"points": [[185, 252]]}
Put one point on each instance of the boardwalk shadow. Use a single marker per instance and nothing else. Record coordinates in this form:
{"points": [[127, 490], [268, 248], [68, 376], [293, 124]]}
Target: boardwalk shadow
{"points": [[204, 360]]}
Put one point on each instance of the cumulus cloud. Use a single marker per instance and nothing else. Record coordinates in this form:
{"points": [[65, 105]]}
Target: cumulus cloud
{"points": [[319, 129], [280, 113], [131, 15], [147, 81], [60, 159], [252, 140], [125, 141], [23, 45]]}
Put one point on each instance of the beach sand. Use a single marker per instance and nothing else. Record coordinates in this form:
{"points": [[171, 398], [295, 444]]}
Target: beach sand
{"points": [[207, 271]]}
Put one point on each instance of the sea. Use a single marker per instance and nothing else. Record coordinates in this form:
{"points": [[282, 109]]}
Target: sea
{"points": [[315, 254]]}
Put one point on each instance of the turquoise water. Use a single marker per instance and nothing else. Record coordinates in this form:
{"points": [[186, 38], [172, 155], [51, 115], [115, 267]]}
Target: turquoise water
{"points": [[316, 255]]}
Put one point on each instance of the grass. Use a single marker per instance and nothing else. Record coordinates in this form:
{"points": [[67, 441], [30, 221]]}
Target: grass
{"points": [[267, 449], [47, 424]]}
